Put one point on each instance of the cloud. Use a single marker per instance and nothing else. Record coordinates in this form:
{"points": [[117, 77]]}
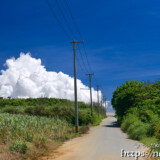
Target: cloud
{"points": [[26, 77]]}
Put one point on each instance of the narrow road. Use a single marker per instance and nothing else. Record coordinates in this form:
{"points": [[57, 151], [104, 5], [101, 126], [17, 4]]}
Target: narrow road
{"points": [[103, 142]]}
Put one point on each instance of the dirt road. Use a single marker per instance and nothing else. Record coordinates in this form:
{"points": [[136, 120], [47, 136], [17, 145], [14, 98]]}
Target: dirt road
{"points": [[103, 142]]}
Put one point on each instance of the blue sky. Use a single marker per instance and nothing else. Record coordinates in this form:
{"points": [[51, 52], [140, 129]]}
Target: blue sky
{"points": [[122, 37]]}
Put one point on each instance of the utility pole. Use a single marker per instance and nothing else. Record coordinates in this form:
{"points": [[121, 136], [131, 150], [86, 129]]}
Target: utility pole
{"points": [[90, 75], [105, 105], [98, 97], [74, 42], [102, 103]]}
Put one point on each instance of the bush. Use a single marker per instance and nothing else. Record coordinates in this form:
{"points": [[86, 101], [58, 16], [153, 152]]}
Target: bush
{"points": [[97, 119], [50, 107], [152, 125], [137, 130], [12, 109], [137, 106], [18, 146], [29, 110], [128, 121], [85, 117], [157, 130]]}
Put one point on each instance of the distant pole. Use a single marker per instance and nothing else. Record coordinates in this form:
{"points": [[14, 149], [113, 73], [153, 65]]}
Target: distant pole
{"points": [[102, 103], [90, 75], [105, 104], [98, 97], [74, 42]]}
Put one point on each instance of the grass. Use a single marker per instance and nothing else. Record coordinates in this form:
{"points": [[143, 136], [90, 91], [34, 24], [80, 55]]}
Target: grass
{"points": [[148, 141], [146, 133], [24, 127], [66, 112], [21, 133], [32, 127]]}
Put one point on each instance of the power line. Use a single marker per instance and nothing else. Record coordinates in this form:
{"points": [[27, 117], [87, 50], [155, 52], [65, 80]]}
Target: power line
{"points": [[81, 38], [68, 36], [60, 24], [79, 33], [80, 65], [82, 58], [55, 16], [73, 19], [65, 19], [87, 56]]}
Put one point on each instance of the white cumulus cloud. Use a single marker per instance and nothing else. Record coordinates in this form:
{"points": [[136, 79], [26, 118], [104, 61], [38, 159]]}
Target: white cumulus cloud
{"points": [[26, 77]]}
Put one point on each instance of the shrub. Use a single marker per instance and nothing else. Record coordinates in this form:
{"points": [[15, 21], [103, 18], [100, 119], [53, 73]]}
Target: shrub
{"points": [[40, 141], [128, 121], [29, 110], [137, 130], [82, 105], [157, 130], [85, 117], [152, 125], [49, 107], [12, 109], [18, 146], [97, 119]]}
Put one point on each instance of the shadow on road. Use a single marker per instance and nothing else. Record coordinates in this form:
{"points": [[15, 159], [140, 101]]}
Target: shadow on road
{"points": [[110, 115], [112, 125]]}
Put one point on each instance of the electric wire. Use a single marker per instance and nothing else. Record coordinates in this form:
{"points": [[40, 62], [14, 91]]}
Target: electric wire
{"points": [[82, 58], [68, 36], [73, 19], [80, 65], [60, 24], [55, 16], [87, 57], [65, 19]]}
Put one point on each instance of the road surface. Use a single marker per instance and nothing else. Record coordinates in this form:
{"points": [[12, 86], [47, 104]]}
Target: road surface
{"points": [[103, 142]]}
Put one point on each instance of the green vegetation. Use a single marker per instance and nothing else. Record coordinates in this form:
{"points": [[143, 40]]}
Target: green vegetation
{"points": [[137, 107], [23, 133], [51, 107], [30, 126]]}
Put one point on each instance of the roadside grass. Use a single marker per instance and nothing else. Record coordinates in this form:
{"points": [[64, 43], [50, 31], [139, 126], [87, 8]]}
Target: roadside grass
{"points": [[147, 133], [22, 133], [47, 108], [31, 128], [148, 141]]}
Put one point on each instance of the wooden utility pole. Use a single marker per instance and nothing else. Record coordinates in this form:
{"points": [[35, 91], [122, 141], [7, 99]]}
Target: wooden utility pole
{"points": [[74, 42], [90, 75], [98, 97], [102, 98], [105, 104]]}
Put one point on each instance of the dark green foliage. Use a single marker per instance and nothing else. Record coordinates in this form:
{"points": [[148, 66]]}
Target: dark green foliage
{"points": [[18, 146], [152, 125], [85, 117], [33, 102], [51, 107], [157, 130], [27, 124], [137, 107], [10, 109], [137, 130]]}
